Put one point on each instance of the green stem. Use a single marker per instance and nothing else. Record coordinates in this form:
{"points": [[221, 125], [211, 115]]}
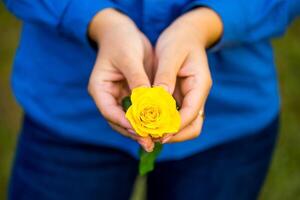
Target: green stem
{"points": [[147, 159]]}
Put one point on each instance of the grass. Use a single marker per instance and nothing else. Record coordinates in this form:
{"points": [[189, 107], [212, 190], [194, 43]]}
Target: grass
{"points": [[283, 181], [9, 111]]}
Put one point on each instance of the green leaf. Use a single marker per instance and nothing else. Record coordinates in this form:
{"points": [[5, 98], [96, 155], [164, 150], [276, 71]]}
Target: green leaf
{"points": [[126, 103], [147, 159]]}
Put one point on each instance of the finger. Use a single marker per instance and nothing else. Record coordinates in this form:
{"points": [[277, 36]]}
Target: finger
{"points": [[148, 58], [134, 72], [146, 142], [110, 109], [190, 132], [177, 94], [166, 138], [193, 103], [195, 86], [169, 61], [108, 105], [123, 131]]}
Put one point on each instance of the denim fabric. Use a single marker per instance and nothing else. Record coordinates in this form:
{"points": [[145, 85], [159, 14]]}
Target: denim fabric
{"points": [[49, 167]]}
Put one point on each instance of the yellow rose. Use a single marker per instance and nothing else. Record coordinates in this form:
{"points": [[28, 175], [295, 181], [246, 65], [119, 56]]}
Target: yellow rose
{"points": [[153, 112]]}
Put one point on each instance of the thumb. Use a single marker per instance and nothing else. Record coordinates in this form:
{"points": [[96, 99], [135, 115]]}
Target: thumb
{"points": [[168, 66], [135, 75]]}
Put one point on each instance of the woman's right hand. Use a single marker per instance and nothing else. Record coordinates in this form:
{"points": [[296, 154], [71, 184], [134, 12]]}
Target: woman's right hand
{"points": [[124, 62]]}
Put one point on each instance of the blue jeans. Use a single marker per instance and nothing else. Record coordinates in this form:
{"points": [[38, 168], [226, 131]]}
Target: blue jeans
{"points": [[48, 167]]}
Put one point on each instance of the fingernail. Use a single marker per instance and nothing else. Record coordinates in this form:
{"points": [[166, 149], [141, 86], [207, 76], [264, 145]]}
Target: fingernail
{"points": [[166, 139], [131, 131], [149, 148], [146, 146]]}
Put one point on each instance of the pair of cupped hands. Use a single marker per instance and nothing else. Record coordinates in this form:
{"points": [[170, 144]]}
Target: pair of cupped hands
{"points": [[178, 62]]}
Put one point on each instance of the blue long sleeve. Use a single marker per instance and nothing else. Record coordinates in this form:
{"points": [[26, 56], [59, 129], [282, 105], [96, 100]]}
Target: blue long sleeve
{"points": [[69, 17], [251, 21], [51, 72]]}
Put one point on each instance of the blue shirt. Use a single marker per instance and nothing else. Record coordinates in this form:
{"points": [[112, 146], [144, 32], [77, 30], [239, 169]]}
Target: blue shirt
{"points": [[54, 61]]}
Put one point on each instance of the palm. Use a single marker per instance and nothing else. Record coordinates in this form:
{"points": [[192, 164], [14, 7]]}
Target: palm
{"points": [[115, 85], [113, 76], [188, 80]]}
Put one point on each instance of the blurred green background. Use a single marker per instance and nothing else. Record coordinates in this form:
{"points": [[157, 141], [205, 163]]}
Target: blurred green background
{"points": [[283, 180]]}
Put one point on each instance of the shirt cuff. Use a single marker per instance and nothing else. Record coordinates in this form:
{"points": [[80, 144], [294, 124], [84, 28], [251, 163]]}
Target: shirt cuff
{"points": [[77, 16], [234, 22]]}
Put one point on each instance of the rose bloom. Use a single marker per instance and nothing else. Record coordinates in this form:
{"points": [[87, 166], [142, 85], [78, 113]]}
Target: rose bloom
{"points": [[153, 112]]}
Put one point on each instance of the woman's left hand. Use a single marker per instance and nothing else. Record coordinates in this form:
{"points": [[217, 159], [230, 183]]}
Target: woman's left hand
{"points": [[182, 67]]}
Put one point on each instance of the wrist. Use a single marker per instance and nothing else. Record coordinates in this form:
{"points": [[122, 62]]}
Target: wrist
{"points": [[105, 21], [205, 24]]}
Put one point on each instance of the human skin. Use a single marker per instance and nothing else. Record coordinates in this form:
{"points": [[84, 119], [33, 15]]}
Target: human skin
{"points": [[124, 62], [182, 66], [179, 64]]}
